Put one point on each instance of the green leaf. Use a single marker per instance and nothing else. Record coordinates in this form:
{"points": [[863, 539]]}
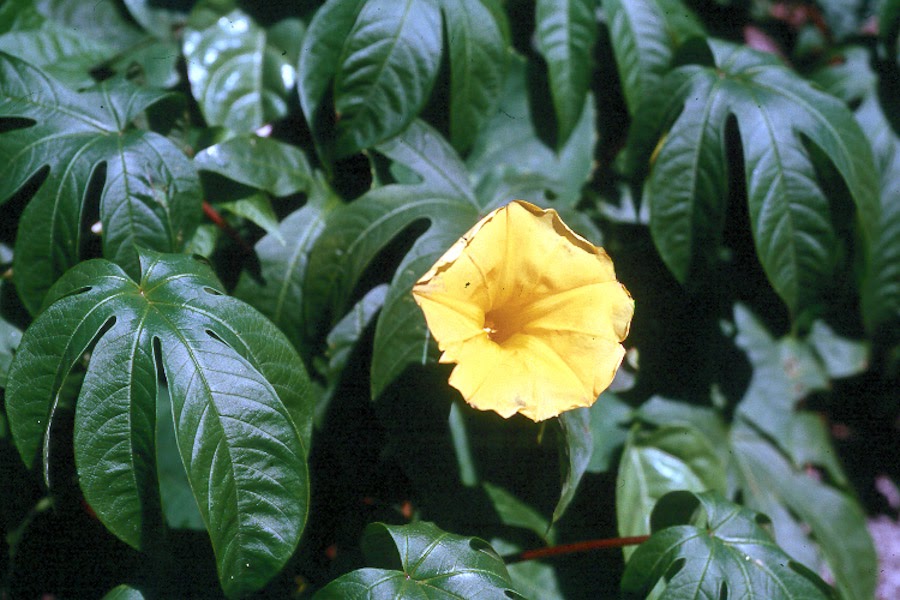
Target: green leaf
{"points": [[833, 518], [609, 429], [566, 31], [380, 59], [510, 138], [263, 163], [848, 76], [424, 151], [841, 357], [645, 35], [844, 18], [723, 552], [73, 41], [177, 499], [320, 56], [239, 395], [881, 288], [240, 80], [10, 336], [203, 242], [809, 443], [357, 232], [124, 592], [62, 52], [532, 578], [100, 19], [401, 335], [577, 446], [151, 196], [515, 513], [19, 15], [421, 561], [661, 411], [343, 339], [477, 67], [283, 267], [257, 209], [674, 457], [789, 213], [784, 372], [510, 161], [163, 20]]}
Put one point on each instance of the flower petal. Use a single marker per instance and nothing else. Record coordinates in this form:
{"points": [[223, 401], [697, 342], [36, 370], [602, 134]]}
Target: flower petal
{"points": [[530, 312], [524, 375], [599, 309]]}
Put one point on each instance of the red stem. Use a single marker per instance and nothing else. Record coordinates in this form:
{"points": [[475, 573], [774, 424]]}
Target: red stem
{"points": [[213, 215], [573, 548]]}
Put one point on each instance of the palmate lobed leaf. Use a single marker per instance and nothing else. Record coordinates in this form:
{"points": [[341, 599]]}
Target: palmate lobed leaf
{"points": [[368, 66], [508, 159], [420, 561], [645, 35], [354, 235], [72, 41], [772, 443], [673, 457], [776, 111], [380, 59], [722, 553], [151, 195], [881, 291], [279, 169], [239, 396], [831, 516]]}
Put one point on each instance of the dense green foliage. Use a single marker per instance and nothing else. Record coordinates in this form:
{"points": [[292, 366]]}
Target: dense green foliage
{"points": [[215, 380]]}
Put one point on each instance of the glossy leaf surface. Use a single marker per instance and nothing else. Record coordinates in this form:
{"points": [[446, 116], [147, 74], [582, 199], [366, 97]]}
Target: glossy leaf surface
{"points": [[262, 163], [477, 67], [421, 561], [566, 32], [881, 292], [509, 160], [151, 195], [789, 212], [831, 516], [379, 58], [239, 78], [645, 35], [355, 235], [577, 446], [724, 553], [656, 463], [75, 42], [239, 397]]}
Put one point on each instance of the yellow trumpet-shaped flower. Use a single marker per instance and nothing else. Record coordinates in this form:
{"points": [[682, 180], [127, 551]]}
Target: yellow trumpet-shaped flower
{"points": [[530, 312]]}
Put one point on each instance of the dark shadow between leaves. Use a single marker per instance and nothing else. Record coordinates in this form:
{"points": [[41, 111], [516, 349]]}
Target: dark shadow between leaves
{"points": [[674, 568], [13, 123]]}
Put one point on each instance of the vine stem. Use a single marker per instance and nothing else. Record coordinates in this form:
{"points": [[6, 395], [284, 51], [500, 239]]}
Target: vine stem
{"points": [[574, 548], [213, 215]]}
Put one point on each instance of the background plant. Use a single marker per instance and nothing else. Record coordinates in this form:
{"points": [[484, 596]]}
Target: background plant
{"points": [[738, 160]]}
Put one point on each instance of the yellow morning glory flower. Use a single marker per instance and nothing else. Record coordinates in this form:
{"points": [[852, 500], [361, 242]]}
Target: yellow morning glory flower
{"points": [[530, 312]]}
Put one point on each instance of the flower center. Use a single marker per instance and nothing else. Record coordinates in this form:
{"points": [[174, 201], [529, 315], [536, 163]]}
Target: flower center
{"points": [[499, 326]]}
